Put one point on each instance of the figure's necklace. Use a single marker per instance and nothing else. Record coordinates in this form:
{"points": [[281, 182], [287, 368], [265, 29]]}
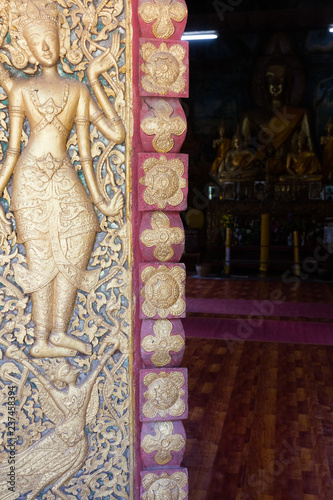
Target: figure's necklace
{"points": [[50, 110]]}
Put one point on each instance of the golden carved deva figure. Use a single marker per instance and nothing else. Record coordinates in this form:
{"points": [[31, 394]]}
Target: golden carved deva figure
{"points": [[55, 218]]}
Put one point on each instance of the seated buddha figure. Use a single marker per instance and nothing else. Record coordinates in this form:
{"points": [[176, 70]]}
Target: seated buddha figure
{"points": [[222, 145], [304, 165], [271, 131], [326, 143], [237, 164]]}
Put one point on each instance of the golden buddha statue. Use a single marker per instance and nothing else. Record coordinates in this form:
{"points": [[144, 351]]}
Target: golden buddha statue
{"points": [[55, 216], [222, 144], [326, 142], [304, 165], [237, 165], [271, 131]]}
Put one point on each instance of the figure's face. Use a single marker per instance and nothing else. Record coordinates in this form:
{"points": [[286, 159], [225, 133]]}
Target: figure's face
{"points": [[68, 374], [276, 81], [221, 130], [43, 41], [236, 143]]}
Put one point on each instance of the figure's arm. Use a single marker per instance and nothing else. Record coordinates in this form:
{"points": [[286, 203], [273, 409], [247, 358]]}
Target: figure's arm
{"points": [[16, 118], [108, 123], [114, 206], [6, 81]]}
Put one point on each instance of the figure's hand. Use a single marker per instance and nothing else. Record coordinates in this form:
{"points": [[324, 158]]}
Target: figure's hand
{"points": [[114, 206], [101, 64], [14, 352], [5, 227]]}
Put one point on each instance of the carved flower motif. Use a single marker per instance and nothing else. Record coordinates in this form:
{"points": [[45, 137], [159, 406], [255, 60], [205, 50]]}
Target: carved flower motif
{"points": [[162, 236], [164, 68], [163, 291], [162, 343], [90, 17], [163, 442], [164, 394], [49, 165], [164, 180], [164, 487], [163, 11], [163, 126]]}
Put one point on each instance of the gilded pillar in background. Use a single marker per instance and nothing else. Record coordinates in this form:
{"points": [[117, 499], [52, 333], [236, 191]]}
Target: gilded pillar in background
{"points": [[162, 191], [65, 259]]}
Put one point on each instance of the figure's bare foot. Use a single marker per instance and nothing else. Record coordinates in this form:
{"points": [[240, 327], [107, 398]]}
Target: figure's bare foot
{"points": [[42, 349], [64, 340]]}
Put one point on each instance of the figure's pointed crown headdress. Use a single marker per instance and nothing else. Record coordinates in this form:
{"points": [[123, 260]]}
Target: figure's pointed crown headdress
{"points": [[25, 12], [52, 367]]}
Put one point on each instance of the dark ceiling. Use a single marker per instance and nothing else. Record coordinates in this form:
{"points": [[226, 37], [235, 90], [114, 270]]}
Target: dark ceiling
{"points": [[259, 15]]}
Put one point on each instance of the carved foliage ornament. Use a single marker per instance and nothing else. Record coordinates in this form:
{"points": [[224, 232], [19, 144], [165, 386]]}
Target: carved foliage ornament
{"points": [[162, 236], [163, 12], [165, 486], [164, 68], [162, 343], [164, 181], [163, 126], [164, 395], [164, 442], [163, 291]]}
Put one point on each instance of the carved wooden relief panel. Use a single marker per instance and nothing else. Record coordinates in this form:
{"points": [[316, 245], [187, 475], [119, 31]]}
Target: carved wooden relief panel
{"points": [[65, 257]]}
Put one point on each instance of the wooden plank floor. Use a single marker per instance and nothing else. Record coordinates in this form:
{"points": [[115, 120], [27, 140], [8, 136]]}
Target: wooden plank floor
{"points": [[260, 423]]}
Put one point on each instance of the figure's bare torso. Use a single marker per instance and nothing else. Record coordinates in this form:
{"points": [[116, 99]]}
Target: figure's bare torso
{"points": [[65, 96]]}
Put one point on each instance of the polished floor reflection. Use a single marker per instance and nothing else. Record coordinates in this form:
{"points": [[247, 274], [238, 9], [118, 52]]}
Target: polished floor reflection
{"points": [[260, 421]]}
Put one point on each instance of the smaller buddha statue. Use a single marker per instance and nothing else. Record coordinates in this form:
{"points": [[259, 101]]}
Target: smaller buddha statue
{"points": [[222, 144], [303, 165], [237, 164], [326, 143]]}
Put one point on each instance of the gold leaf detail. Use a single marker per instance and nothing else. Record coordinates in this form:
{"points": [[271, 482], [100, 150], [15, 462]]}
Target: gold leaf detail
{"points": [[164, 394], [163, 126], [164, 442], [164, 487], [162, 236], [164, 68], [163, 11], [163, 291], [164, 182], [162, 343]]}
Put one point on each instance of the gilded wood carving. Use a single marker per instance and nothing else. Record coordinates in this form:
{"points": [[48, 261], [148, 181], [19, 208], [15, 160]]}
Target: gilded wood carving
{"points": [[163, 12], [164, 442], [162, 236], [164, 181], [65, 285], [164, 68], [162, 343], [165, 486]]}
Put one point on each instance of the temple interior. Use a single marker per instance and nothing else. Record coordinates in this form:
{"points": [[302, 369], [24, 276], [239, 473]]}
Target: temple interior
{"points": [[258, 250]]}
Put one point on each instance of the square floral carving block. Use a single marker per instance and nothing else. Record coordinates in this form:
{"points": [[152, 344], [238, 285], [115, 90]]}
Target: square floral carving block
{"points": [[162, 291], [163, 394]]}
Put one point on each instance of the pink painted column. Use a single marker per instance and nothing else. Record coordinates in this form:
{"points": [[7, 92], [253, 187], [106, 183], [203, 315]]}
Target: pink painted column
{"points": [[159, 184]]}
